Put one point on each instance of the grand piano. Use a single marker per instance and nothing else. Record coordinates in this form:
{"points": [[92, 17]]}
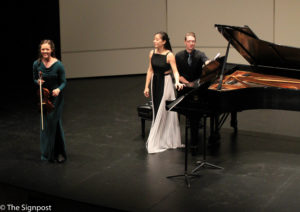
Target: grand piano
{"points": [[270, 81]]}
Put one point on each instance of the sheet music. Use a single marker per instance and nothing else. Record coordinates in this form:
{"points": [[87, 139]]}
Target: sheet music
{"points": [[218, 55]]}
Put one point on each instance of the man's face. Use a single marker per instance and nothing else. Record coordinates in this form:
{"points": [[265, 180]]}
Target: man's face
{"points": [[190, 43]]}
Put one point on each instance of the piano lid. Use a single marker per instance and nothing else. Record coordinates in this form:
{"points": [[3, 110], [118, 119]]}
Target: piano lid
{"points": [[258, 52]]}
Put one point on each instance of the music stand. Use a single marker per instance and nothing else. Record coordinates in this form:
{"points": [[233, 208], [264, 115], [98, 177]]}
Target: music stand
{"points": [[186, 175], [204, 163]]}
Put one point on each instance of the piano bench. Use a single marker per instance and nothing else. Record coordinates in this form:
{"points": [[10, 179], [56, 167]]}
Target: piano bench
{"points": [[145, 113]]}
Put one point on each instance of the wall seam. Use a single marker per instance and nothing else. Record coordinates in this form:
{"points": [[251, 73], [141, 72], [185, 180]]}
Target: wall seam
{"points": [[167, 30], [274, 10]]}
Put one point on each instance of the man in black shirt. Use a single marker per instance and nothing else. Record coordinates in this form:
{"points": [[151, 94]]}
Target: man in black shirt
{"points": [[189, 63]]}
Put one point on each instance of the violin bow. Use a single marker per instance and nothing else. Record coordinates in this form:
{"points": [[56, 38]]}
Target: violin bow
{"points": [[41, 99]]}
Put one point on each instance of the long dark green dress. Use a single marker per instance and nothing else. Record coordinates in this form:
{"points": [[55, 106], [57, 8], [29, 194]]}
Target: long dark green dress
{"points": [[52, 139]]}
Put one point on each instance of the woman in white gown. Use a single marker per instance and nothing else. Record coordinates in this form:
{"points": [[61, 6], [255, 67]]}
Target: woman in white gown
{"points": [[165, 130]]}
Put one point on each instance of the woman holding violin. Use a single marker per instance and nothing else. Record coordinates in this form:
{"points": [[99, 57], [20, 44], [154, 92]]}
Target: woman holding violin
{"points": [[49, 75]]}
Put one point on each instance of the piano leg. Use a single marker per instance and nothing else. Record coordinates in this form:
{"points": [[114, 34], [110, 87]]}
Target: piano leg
{"points": [[212, 128], [216, 123], [204, 163], [233, 122], [214, 136]]}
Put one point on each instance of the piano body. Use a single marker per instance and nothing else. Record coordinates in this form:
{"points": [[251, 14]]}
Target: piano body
{"points": [[271, 81]]}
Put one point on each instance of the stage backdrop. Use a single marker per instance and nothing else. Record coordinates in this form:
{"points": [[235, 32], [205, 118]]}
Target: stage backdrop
{"points": [[109, 38]]}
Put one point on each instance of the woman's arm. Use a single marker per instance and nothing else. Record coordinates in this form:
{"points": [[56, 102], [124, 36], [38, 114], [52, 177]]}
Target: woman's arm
{"points": [[35, 73], [62, 80], [171, 60], [62, 77], [183, 80], [148, 76]]}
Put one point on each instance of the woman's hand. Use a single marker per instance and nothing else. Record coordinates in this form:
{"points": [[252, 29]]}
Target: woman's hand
{"points": [[179, 86], [146, 92], [56, 92], [40, 82], [190, 84]]}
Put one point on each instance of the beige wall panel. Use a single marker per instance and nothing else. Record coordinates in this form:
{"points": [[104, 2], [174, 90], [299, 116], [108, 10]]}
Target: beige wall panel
{"points": [[200, 17], [106, 63], [279, 122], [287, 16], [110, 24]]}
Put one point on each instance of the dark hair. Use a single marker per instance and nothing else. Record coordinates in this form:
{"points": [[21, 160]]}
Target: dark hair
{"points": [[165, 37], [52, 46]]}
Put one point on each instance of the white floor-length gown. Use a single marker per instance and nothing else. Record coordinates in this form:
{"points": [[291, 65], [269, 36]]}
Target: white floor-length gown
{"points": [[165, 129]]}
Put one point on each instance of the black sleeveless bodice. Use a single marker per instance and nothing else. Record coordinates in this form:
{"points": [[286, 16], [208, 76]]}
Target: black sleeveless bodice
{"points": [[159, 63], [159, 66]]}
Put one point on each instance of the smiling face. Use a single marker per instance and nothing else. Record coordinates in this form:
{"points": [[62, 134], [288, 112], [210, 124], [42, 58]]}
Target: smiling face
{"points": [[46, 51], [158, 42]]}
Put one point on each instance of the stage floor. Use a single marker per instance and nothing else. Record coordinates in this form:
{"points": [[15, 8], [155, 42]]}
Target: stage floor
{"points": [[109, 169]]}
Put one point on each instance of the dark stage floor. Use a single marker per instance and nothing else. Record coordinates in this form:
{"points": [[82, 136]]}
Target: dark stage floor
{"points": [[108, 168]]}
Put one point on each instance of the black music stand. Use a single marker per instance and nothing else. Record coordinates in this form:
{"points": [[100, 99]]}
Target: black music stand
{"points": [[204, 163], [186, 175]]}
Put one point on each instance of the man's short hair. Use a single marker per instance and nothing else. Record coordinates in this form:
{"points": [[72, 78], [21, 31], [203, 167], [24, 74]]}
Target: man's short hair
{"points": [[190, 34]]}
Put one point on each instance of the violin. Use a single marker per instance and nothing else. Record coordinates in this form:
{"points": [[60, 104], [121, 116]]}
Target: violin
{"points": [[45, 102]]}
